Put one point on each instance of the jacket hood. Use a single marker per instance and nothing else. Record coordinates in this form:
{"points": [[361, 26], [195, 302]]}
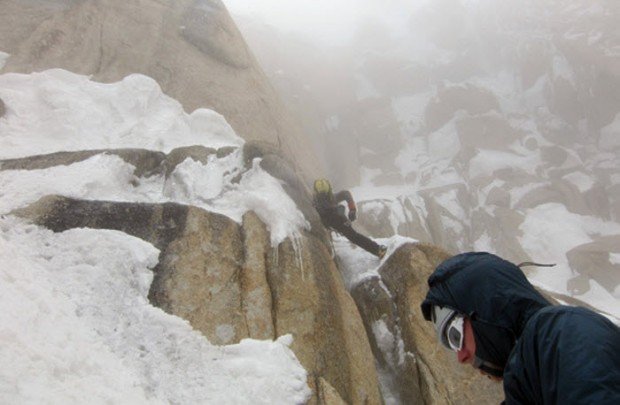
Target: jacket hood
{"points": [[493, 293]]}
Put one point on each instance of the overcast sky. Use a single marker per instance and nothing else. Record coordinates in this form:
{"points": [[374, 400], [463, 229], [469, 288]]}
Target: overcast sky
{"points": [[328, 21]]}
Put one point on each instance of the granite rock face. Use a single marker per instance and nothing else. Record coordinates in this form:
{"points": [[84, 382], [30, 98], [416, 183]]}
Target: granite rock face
{"points": [[192, 48], [226, 278], [230, 284], [425, 372]]}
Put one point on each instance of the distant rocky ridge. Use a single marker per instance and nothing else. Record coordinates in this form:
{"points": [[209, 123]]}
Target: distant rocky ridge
{"points": [[484, 112], [230, 284], [190, 47]]}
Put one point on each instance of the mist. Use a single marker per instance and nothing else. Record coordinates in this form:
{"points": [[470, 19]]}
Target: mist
{"points": [[468, 124], [350, 70], [326, 22]]}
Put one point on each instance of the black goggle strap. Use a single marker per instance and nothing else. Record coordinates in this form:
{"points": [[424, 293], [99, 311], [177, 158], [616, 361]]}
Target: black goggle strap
{"points": [[488, 368]]}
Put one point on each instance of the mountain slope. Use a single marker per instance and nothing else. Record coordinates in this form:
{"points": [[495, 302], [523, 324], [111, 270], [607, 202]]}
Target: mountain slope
{"points": [[191, 48]]}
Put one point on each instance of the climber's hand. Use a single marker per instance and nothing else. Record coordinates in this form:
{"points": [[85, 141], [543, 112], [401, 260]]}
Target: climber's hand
{"points": [[352, 215]]}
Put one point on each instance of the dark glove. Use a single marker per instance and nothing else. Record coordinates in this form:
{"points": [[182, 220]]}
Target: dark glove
{"points": [[352, 215]]}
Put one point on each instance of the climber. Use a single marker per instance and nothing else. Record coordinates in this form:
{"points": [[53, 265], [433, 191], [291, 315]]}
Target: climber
{"points": [[484, 308], [333, 216]]}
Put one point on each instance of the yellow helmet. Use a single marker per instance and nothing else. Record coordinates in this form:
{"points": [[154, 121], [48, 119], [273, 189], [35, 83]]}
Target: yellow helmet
{"points": [[322, 186]]}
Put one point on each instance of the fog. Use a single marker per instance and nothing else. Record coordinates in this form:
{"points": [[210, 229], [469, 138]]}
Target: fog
{"points": [[326, 22], [350, 70], [468, 124]]}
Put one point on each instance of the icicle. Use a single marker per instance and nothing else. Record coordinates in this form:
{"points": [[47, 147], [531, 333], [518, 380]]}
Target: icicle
{"points": [[387, 290], [298, 245]]}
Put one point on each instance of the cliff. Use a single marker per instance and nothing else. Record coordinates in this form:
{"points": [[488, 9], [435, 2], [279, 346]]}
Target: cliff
{"points": [[229, 282], [191, 48]]}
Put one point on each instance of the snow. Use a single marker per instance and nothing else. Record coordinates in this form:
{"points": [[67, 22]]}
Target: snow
{"points": [[548, 232], [517, 193], [488, 161], [103, 177], [483, 243], [3, 57], [356, 264], [107, 177], [388, 343], [581, 180], [77, 326], [449, 200], [58, 110]]}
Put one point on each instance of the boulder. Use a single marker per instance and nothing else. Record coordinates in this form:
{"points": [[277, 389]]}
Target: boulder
{"points": [[198, 153], [558, 191], [489, 131], [593, 261], [498, 196], [230, 284], [489, 226], [440, 379], [553, 156], [383, 327], [450, 99], [447, 228], [2, 108], [377, 218], [311, 302]]}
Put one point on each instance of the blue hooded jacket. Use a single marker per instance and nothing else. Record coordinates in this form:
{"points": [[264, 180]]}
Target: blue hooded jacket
{"points": [[550, 354]]}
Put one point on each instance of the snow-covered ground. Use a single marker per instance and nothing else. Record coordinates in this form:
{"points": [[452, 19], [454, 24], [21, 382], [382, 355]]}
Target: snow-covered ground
{"points": [[77, 326]]}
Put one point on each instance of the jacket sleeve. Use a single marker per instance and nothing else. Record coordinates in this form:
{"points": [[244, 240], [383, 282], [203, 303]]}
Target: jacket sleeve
{"points": [[565, 355], [345, 195]]}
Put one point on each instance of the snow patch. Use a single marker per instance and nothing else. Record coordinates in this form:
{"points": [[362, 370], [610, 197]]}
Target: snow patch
{"points": [[3, 58], [57, 110], [357, 265], [581, 180], [483, 243], [548, 232], [486, 162], [78, 328]]}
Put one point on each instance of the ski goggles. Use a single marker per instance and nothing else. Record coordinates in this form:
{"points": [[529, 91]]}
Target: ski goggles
{"points": [[449, 325], [454, 333]]}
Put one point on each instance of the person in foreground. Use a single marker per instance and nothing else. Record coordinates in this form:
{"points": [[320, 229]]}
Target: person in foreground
{"points": [[484, 308], [333, 216]]}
